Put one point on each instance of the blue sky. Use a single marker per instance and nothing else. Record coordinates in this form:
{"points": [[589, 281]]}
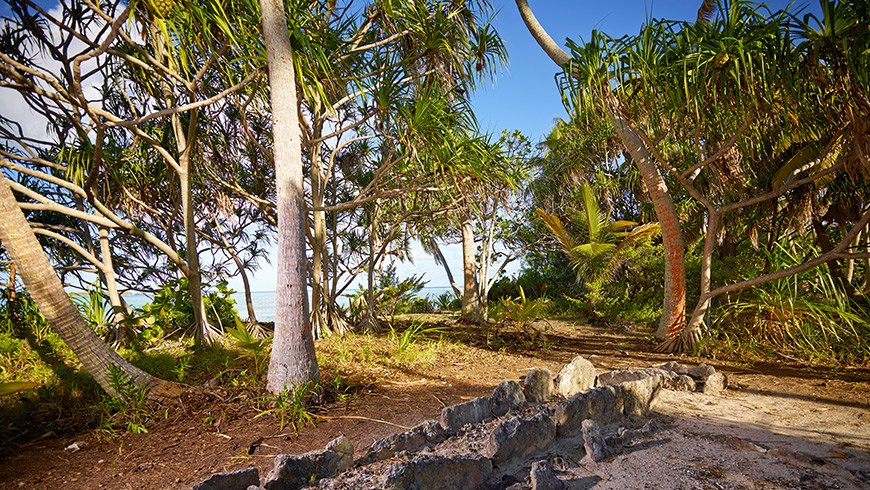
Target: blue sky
{"points": [[524, 95]]}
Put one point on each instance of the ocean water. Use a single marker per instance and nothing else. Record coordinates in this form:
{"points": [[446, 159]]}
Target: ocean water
{"points": [[264, 301]]}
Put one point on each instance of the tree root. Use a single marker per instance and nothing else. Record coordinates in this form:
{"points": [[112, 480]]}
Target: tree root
{"points": [[681, 343]]}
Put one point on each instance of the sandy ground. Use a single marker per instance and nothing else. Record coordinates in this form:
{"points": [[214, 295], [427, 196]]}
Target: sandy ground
{"points": [[740, 439]]}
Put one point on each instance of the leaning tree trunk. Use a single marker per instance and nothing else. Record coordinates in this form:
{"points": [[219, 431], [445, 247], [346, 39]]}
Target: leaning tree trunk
{"points": [[293, 361], [674, 307], [44, 286]]}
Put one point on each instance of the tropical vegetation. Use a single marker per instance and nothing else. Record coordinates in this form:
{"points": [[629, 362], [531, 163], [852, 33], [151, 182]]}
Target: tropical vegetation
{"points": [[707, 183]]}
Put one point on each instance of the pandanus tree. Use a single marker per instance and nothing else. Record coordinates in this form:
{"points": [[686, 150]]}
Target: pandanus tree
{"points": [[744, 109], [371, 68], [591, 73]]}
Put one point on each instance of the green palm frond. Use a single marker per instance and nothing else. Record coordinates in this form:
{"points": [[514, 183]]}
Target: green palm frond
{"points": [[807, 161], [558, 228]]}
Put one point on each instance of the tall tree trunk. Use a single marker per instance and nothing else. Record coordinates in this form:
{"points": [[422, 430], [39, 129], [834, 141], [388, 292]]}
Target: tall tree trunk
{"points": [[183, 146], [674, 307], [471, 293], [47, 291], [370, 322], [319, 320], [293, 361]]}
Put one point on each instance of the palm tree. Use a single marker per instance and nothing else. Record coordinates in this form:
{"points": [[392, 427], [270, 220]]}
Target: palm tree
{"points": [[600, 249], [593, 75], [293, 361], [48, 293]]}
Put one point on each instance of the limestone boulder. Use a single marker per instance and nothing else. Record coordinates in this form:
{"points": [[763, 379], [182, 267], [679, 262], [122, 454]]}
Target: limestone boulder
{"points": [[577, 376]]}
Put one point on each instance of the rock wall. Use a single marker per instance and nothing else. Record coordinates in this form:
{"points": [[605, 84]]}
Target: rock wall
{"points": [[486, 442]]}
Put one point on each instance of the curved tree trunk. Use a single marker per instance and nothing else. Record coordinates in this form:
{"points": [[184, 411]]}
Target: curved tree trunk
{"points": [[674, 307], [47, 291], [293, 361], [431, 246]]}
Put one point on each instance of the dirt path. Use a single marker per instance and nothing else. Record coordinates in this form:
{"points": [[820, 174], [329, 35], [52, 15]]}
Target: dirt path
{"points": [[813, 422]]}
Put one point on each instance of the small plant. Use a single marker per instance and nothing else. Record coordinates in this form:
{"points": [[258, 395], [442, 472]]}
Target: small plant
{"points": [[410, 335], [127, 409], [243, 339], [521, 310], [447, 301], [291, 405], [94, 306]]}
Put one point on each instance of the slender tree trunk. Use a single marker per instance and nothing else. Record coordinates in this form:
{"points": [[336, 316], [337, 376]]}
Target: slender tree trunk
{"points": [[674, 307], [249, 302], [293, 361], [203, 331], [433, 247], [120, 309], [44, 286], [319, 321], [471, 294], [370, 322], [691, 335], [183, 145]]}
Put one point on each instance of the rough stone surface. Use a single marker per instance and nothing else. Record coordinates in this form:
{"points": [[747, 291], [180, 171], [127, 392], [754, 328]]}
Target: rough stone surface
{"points": [[680, 382], [543, 477], [575, 377], [671, 380], [625, 436], [638, 397], [235, 480], [594, 443], [700, 372], [429, 471], [715, 383], [292, 472], [470, 412], [429, 432], [619, 377], [538, 386], [505, 397], [604, 404], [517, 437]]}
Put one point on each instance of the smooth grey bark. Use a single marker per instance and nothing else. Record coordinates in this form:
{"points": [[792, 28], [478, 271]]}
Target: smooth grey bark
{"points": [[471, 300], [293, 361]]}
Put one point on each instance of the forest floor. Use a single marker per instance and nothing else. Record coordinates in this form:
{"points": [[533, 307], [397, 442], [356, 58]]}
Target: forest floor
{"points": [[817, 418]]}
